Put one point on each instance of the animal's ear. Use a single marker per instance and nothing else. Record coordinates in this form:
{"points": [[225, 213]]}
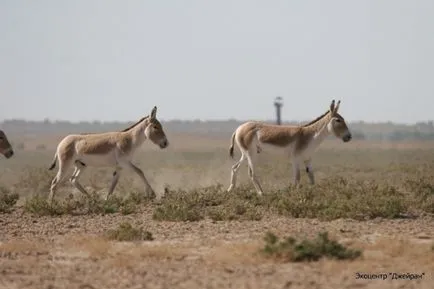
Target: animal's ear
{"points": [[337, 106], [332, 106], [154, 112]]}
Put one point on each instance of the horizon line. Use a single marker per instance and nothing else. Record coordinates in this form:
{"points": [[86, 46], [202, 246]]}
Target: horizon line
{"points": [[203, 120]]}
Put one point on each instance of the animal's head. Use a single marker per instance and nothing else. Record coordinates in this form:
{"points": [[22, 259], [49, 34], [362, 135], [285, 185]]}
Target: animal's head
{"points": [[154, 130], [5, 146], [337, 124]]}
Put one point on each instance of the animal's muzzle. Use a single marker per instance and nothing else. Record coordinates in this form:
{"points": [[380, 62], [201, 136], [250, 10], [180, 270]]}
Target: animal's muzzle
{"points": [[164, 144], [9, 153], [347, 138]]}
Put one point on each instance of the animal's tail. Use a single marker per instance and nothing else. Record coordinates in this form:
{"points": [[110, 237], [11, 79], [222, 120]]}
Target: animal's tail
{"points": [[53, 164], [231, 148]]}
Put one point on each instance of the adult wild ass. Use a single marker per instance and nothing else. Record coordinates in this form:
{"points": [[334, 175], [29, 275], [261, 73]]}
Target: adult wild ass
{"points": [[107, 149], [299, 141], [5, 146]]}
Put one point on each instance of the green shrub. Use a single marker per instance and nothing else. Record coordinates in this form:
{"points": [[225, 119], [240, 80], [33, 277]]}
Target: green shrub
{"points": [[291, 250]]}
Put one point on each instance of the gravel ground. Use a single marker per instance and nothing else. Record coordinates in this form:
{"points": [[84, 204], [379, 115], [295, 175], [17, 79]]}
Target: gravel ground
{"points": [[71, 252]]}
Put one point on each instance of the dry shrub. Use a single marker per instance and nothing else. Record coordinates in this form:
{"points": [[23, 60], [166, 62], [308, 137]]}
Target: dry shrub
{"points": [[126, 232], [330, 199], [7, 200], [340, 198], [423, 191], [39, 205], [212, 201], [291, 250]]}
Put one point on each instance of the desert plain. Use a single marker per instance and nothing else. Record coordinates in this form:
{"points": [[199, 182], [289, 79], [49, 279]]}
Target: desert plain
{"points": [[374, 197]]}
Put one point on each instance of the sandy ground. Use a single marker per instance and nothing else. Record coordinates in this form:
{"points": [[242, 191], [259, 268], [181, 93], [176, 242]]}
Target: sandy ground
{"points": [[71, 252]]}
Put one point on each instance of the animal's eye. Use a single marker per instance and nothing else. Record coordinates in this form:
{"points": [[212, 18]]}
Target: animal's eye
{"points": [[338, 120], [155, 127]]}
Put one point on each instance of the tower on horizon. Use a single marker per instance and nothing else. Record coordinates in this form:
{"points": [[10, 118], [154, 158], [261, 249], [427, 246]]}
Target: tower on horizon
{"points": [[278, 103]]}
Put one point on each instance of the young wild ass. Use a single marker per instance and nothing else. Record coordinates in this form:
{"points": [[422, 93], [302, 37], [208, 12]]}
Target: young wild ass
{"points": [[107, 149], [299, 141], [5, 146]]}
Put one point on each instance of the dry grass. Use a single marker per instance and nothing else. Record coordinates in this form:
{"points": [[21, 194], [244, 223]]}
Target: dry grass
{"points": [[21, 247]]}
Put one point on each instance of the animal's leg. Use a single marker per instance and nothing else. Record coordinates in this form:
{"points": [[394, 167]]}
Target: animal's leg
{"points": [[139, 172], [252, 174], [79, 168], [61, 173], [115, 179], [234, 172], [309, 171], [73, 173]]}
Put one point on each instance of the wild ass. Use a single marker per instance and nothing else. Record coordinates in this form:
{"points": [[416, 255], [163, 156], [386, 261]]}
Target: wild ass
{"points": [[107, 149], [299, 141], [5, 146]]}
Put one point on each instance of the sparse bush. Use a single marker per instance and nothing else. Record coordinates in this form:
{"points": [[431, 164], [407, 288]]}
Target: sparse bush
{"points": [[330, 199], [126, 232], [7, 200], [96, 205], [291, 250], [423, 191], [177, 212], [128, 208], [138, 198], [212, 202], [340, 198], [239, 210], [39, 205]]}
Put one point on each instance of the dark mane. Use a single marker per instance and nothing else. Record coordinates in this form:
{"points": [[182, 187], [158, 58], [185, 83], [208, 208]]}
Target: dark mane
{"points": [[124, 130], [130, 127], [316, 119]]}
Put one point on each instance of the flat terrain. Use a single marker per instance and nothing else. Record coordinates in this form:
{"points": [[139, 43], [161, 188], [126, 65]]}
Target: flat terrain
{"points": [[375, 197]]}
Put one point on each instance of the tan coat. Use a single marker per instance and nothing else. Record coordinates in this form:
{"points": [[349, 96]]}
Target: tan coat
{"points": [[114, 149], [300, 141]]}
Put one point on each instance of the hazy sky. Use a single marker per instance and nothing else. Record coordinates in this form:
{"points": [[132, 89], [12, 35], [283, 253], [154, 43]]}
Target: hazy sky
{"points": [[115, 60]]}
